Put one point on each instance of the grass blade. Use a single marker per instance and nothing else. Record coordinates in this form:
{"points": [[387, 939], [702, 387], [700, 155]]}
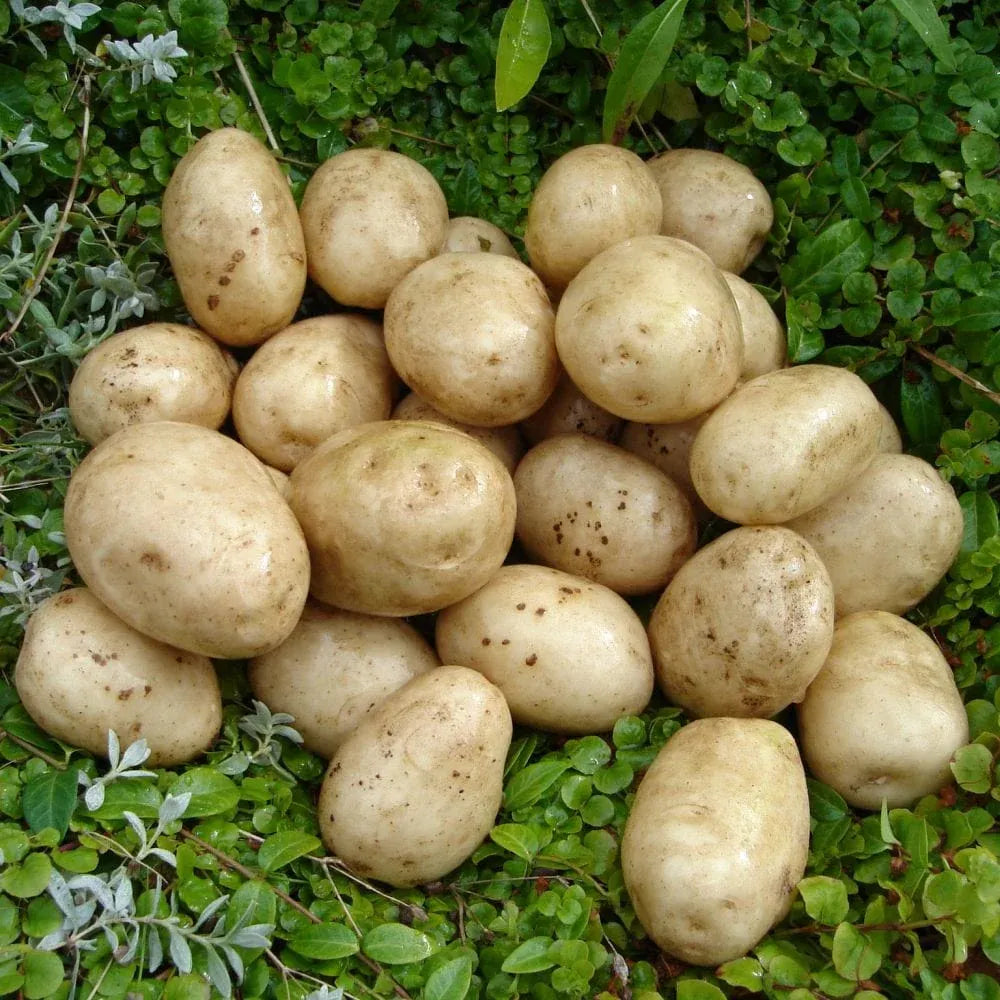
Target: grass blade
{"points": [[927, 23]]}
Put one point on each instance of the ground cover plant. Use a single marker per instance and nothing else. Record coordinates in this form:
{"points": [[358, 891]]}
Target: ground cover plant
{"points": [[875, 128]]}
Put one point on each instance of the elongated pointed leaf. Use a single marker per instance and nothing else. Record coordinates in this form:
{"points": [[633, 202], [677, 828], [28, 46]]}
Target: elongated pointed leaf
{"points": [[49, 799], [643, 56], [923, 16], [525, 38]]}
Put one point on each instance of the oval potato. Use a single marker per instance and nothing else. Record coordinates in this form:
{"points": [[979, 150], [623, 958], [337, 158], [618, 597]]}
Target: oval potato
{"points": [[668, 447], [467, 234], [765, 346]]}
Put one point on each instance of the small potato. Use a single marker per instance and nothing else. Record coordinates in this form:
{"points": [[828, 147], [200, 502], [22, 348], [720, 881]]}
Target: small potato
{"points": [[160, 371], [569, 655], [233, 237], [336, 667], [718, 838], [568, 410], [473, 334], [889, 441], [415, 789], [467, 234], [650, 331], [715, 203], [588, 507], [784, 443], [402, 517], [765, 347], [370, 216], [588, 200], [744, 626], [668, 447], [889, 537], [83, 671], [309, 381], [281, 481], [883, 718]]}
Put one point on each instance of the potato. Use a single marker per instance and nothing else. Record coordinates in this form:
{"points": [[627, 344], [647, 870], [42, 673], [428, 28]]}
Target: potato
{"points": [[588, 200], [715, 203], [160, 371], [402, 517], [889, 440], [182, 534], [83, 671], [587, 507], [471, 235], [370, 216], [335, 668], [415, 789], [744, 626], [568, 410], [281, 481], [717, 838], [765, 347], [472, 333], [883, 718], [233, 237], [309, 381], [784, 443], [668, 447], [888, 537], [569, 655], [650, 331]]}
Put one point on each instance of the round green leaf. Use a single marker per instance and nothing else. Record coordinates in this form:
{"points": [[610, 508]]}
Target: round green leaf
{"points": [[824, 898], [980, 152], [698, 989], [43, 974], [28, 878]]}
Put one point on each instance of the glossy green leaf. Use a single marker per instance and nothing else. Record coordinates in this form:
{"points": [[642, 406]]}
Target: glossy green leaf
{"points": [[324, 941], [396, 944], [451, 981], [920, 404], [49, 799], [530, 956], [842, 249], [529, 785], [923, 16], [523, 48], [211, 792], [283, 848], [979, 511], [825, 898], [516, 838], [698, 989]]}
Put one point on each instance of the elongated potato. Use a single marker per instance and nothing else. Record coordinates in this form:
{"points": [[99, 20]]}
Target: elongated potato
{"points": [[717, 838], [233, 237]]}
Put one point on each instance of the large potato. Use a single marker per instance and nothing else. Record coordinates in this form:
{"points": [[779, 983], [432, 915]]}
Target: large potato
{"points": [[588, 200], [568, 410], [785, 442], [414, 790], [744, 626], [233, 237], [650, 331], [182, 534], [370, 216], [588, 507], [83, 671], [309, 381], [334, 668], [402, 517], [569, 655], [467, 234], [715, 203], [717, 838], [472, 333], [765, 347], [883, 718]]}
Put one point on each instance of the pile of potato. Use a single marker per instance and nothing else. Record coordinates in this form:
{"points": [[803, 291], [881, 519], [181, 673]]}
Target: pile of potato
{"points": [[598, 431]]}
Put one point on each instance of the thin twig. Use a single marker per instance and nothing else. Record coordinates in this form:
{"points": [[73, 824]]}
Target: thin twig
{"points": [[973, 383], [748, 23], [255, 101], [422, 138], [899, 927], [31, 748]]}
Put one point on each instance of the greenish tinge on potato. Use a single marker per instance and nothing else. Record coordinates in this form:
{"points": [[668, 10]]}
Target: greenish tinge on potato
{"points": [[568, 411], [467, 234], [717, 838], [569, 655], [181, 532], [884, 717], [415, 789], [82, 671], [744, 626], [765, 346]]}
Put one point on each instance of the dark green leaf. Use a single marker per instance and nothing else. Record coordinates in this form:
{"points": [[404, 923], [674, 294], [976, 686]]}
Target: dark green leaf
{"points": [[525, 38], [824, 803], [451, 981], [529, 785], [856, 199], [840, 250], [466, 191], [979, 510], [926, 21], [283, 848], [979, 314], [49, 799], [324, 941], [920, 404], [396, 944], [805, 339]]}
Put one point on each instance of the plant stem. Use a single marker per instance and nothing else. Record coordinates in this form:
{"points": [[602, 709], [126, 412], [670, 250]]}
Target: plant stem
{"points": [[899, 927], [31, 748], [255, 101], [993, 397]]}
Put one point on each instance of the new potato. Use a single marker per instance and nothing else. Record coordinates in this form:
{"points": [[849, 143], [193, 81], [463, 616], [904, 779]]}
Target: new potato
{"points": [[568, 410], [469, 234], [765, 346]]}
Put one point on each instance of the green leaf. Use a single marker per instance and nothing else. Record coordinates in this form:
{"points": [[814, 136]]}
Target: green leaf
{"points": [[805, 339], [979, 314], [698, 989], [825, 898], [49, 799], [451, 981], [28, 878], [466, 191], [840, 250], [745, 972], [211, 792], [529, 785], [640, 64], [920, 405], [283, 848], [324, 941], [856, 199], [973, 768], [854, 957], [516, 838], [942, 893], [979, 510], [530, 956], [825, 804], [396, 944], [523, 48], [926, 21], [43, 974]]}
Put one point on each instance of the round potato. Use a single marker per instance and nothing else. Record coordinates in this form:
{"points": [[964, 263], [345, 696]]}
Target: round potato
{"points": [[309, 381], [471, 235], [182, 534], [402, 517], [650, 331], [588, 507], [883, 718], [889, 440], [233, 237], [568, 410], [715, 203], [765, 347], [472, 333], [718, 838], [888, 537], [784, 443], [160, 371], [370, 216], [415, 789], [569, 655], [83, 671], [588, 200], [744, 626], [336, 667]]}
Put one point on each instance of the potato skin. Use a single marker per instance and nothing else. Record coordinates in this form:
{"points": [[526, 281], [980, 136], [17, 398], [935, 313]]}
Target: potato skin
{"points": [[884, 717], [668, 447], [717, 838], [568, 410], [414, 790], [83, 671], [233, 237], [569, 655], [744, 626], [765, 346], [467, 234], [181, 532]]}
